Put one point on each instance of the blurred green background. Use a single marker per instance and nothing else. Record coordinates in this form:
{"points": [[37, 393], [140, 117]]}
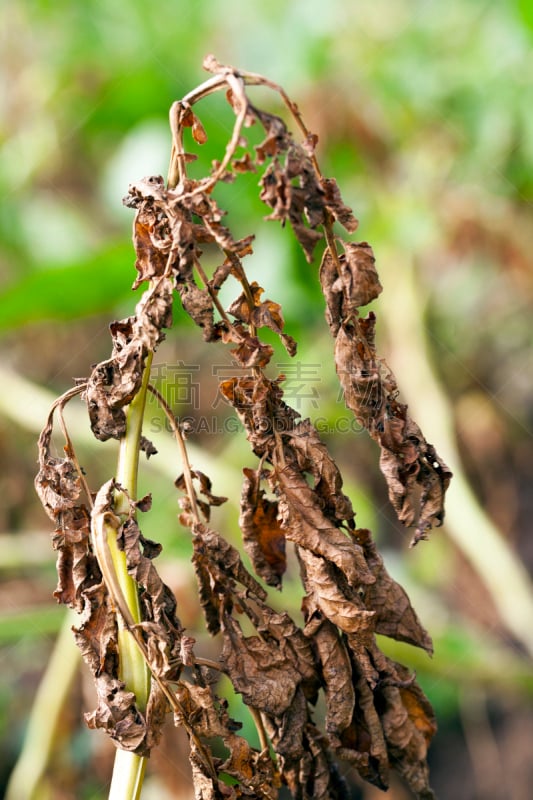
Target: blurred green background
{"points": [[424, 116]]}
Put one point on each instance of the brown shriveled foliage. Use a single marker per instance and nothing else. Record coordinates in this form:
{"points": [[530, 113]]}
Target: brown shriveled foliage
{"points": [[377, 717]]}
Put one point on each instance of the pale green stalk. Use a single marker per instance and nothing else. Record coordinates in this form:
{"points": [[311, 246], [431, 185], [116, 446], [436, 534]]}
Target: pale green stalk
{"points": [[128, 770], [128, 776], [27, 781]]}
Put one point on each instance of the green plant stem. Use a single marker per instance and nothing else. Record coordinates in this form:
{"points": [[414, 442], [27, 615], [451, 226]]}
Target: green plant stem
{"points": [[128, 776], [128, 770]]}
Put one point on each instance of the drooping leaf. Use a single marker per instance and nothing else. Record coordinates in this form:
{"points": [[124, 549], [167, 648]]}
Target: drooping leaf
{"points": [[307, 765], [395, 617], [306, 525], [252, 352], [259, 669], [312, 457], [409, 464], [255, 773], [114, 383], [340, 604], [335, 204], [408, 725], [336, 672], [299, 205], [263, 536], [277, 136]]}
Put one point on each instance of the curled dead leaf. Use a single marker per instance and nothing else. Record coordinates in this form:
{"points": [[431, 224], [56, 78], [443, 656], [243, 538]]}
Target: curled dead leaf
{"points": [[407, 461], [263, 536], [395, 616]]}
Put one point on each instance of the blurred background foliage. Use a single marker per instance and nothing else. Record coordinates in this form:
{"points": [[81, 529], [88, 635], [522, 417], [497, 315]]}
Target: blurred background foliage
{"points": [[423, 113]]}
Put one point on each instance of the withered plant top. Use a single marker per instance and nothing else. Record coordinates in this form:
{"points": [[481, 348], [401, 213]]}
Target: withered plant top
{"points": [[376, 714]]}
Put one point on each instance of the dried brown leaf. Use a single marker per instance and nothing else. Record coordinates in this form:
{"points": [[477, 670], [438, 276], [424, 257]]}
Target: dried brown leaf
{"points": [[151, 261], [252, 352], [157, 600], [57, 483], [359, 276], [306, 763], [147, 447], [312, 457], [268, 315], [349, 281], [116, 712], [408, 725], [336, 672], [262, 314], [218, 568], [290, 344], [275, 191], [260, 669], [255, 772], [117, 715], [198, 131], [199, 306], [305, 524], [240, 308], [114, 383], [296, 204], [263, 536], [340, 604], [395, 616], [277, 136], [77, 568], [407, 461], [205, 489], [204, 785], [335, 204], [363, 743], [329, 273], [208, 596], [244, 164], [221, 273]]}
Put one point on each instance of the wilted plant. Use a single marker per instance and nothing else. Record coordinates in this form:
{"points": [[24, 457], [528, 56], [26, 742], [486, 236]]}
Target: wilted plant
{"points": [[143, 662]]}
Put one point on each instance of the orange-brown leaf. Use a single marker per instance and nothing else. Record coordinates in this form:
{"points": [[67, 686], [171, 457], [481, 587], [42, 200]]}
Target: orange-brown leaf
{"points": [[263, 536]]}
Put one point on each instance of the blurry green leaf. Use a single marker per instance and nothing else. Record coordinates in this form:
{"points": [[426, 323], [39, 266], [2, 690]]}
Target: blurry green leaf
{"points": [[33, 622], [525, 10], [65, 293]]}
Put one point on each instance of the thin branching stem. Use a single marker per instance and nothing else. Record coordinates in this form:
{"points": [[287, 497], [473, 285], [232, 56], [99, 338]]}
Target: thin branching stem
{"points": [[236, 80], [261, 732], [187, 471], [216, 302]]}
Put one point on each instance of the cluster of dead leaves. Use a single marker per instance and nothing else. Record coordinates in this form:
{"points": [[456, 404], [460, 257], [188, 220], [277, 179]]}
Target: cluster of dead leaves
{"points": [[372, 704], [82, 588], [377, 717]]}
